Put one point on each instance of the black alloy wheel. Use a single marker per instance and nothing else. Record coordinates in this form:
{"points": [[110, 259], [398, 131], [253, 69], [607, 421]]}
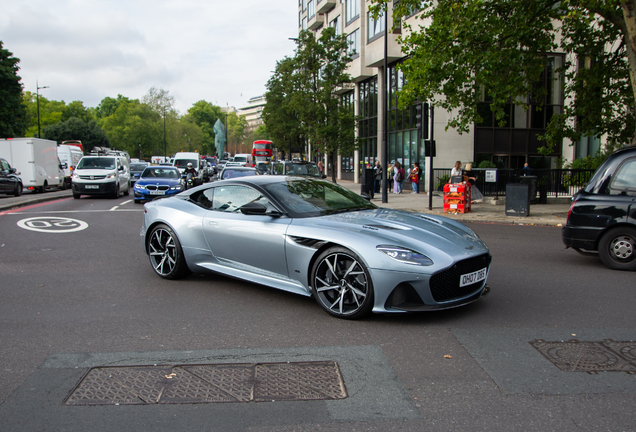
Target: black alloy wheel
{"points": [[617, 248], [166, 255], [341, 284]]}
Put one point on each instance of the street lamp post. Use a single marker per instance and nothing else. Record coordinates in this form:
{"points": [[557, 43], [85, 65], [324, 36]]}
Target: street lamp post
{"points": [[37, 100]]}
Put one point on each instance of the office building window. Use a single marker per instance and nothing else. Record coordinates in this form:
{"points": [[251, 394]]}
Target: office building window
{"points": [[304, 3], [375, 27], [352, 10], [335, 23], [353, 42], [311, 9]]}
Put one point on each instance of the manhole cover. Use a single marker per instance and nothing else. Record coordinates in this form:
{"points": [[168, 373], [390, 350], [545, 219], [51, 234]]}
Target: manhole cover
{"points": [[209, 383], [590, 357]]}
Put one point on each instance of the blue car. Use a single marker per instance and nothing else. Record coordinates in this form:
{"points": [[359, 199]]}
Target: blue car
{"points": [[156, 181]]}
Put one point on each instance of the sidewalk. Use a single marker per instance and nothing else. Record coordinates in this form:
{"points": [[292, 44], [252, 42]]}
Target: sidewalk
{"points": [[552, 214]]}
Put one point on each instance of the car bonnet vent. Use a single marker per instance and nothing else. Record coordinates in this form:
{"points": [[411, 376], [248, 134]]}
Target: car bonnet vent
{"points": [[430, 219], [380, 226]]}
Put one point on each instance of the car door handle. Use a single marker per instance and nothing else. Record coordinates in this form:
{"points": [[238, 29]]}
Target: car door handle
{"points": [[212, 223]]}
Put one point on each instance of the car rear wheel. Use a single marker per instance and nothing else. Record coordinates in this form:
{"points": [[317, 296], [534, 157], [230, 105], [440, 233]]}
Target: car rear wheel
{"points": [[617, 248], [341, 284], [166, 255], [17, 191]]}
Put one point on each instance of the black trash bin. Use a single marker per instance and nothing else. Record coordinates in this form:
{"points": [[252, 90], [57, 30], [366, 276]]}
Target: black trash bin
{"points": [[517, 199], [367, 186], [531, 181]]}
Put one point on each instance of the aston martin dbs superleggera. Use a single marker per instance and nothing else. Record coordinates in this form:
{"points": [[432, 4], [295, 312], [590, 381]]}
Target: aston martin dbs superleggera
{"points": [[315, 238]]}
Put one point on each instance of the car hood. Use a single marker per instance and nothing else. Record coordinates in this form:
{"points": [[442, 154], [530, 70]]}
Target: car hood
{"points": [[403, 228], [94, 172], [158, 181]]}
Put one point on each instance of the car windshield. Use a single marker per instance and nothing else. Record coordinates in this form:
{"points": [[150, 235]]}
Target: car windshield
{"points": [[183, 163], [137, 167], [240, 159], [156, 172], [230, 173], [302, 169], [104, 163], [307, 198]]}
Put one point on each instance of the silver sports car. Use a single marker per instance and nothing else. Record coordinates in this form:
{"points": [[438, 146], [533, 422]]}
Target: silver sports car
{"points": [[315, 238]]}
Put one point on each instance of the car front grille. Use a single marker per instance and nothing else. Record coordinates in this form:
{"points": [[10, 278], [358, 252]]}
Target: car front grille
{"points": [[445, 284], [93, 177], [155, 187]]}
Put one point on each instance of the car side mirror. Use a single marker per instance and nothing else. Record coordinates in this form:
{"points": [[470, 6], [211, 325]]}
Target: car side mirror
{"points": [[12, 170], [121, 168], [253, 208], [64, 165]]}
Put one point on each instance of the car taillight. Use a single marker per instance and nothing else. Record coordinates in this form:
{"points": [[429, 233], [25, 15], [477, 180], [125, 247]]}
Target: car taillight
{"points": [[571, 208]]}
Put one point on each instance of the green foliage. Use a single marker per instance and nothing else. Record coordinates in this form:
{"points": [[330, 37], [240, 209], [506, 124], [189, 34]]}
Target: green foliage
{"points": [[486, 164], [204, 114], [475, 50], [13, 114], [303, 100], [441, 181], [89, 133]]}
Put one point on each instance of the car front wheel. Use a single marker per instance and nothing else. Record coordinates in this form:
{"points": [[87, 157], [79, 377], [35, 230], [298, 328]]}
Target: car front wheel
{"points": [[617, 248], [166, 255], [341, 284]]}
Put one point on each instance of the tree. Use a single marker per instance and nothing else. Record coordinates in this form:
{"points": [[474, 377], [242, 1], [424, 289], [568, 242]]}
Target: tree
{"points": [[76, 109], [109, 105], [307, 86], [472, 48], [280, 115], [236, 127], [205, 115], [159, 100], [74, 128], [13, 114]]}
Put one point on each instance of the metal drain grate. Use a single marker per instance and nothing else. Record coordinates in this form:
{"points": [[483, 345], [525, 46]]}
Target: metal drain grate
{"points": [[209, 383], [590, 357]]}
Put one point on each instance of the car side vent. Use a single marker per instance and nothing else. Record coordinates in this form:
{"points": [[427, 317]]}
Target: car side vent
{"points": [[307, 242]]}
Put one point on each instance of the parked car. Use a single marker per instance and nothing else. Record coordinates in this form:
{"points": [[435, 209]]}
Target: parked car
{"points": [[136, 168], [10, 181], [297, 168], [156, 181], [237, 171], [602, 218], [316, 238]]}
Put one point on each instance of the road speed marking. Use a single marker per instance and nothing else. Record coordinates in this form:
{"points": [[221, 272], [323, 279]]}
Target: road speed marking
{"points": [[52, 224]]}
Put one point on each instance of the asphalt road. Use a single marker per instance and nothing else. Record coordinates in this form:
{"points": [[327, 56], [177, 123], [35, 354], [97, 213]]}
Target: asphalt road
{"points": [[85, 296]]}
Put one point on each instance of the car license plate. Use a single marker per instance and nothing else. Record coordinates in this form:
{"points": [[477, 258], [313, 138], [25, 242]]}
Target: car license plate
{"points": [[92, 186], [157, 192], [474, 277]]}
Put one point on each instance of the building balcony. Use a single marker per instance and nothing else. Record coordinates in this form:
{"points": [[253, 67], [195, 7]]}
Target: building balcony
{"points": [[316, 21], [325, 5]]}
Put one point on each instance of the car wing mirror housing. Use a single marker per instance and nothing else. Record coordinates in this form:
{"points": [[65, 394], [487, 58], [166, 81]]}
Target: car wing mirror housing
{"points": [[253, 208]]}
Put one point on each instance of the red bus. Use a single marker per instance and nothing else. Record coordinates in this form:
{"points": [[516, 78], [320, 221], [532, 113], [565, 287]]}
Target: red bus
{"points": [[262, 151]]}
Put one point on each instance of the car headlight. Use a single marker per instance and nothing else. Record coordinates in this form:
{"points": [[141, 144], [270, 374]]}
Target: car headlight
{"points": [[109, 176], [75, 176], [177, 187], [139, 186], [405, 256]]}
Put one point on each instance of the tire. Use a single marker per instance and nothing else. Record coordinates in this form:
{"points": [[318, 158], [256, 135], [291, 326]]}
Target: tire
{"points": [[165, 253], [43, 187], [617, 248], [116, 194], [76, 195], [17, 190], [127, 190], [341, 284]]}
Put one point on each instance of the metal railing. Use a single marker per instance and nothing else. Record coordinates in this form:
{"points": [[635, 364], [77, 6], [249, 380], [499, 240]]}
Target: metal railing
{"points": [[558, 182]]}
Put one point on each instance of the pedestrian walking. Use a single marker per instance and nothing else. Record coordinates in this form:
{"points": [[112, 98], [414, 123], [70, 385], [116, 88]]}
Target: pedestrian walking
{"points": [[414, 177], [377, 179], [402, 178], [321, 168]]}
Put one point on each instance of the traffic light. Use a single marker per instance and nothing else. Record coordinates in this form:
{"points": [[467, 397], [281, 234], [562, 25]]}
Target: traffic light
{"points": [[421, 119], [430, 149]]}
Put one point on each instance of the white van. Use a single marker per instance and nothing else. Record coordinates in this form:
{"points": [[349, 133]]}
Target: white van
{"points": [[69, 156], [181, 161], [243, 159], [102, 174]]}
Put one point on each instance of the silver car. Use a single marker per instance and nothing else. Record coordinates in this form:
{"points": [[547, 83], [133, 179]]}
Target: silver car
{"points": [[315, 238]]}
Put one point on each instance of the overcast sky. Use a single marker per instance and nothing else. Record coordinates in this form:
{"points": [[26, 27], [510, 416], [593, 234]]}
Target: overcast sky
{"points": [[221, 51]]}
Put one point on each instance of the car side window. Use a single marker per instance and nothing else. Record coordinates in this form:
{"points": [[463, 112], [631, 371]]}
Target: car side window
{"points": [[232, 198], [625, 177]]}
